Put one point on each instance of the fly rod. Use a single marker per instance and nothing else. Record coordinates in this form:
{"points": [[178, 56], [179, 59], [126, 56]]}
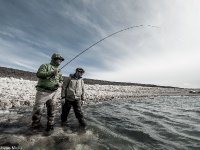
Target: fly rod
{"points": [[104, 39]]}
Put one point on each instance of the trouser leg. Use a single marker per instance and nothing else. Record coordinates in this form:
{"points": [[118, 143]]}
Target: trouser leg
{"points": [[50, 112], [77, 109], [37, 113], [37, 110], [78, 112], [65, 110], [51, 108]]}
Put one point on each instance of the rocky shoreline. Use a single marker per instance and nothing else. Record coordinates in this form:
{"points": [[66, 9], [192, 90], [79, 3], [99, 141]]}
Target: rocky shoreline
{"points": [[17, 96], [18, 89]]}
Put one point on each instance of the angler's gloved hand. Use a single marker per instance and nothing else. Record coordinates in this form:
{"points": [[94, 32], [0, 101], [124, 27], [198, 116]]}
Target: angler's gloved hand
{"points": [[83, 102], [58, 85], [62, 101], [55, 72]]}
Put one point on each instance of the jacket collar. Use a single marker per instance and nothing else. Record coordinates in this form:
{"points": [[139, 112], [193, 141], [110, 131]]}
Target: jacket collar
{"points": [[74, 76]]}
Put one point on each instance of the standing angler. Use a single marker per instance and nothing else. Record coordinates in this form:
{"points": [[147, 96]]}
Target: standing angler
{"points": [[72, 93], [50, 79]]}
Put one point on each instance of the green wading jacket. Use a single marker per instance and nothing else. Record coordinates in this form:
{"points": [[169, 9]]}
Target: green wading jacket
{"points": [[73, 88], [47, 80]]}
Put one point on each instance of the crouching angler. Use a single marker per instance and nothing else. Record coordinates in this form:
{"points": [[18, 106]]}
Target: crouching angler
{"points": [[50, 79], [72, 94]]}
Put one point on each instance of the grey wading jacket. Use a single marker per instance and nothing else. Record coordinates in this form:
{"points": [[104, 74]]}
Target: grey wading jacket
{"points": [[73, 88]]}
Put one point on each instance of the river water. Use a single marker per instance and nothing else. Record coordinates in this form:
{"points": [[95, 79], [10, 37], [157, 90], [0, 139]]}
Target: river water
{"points": [[147, 123], [157, 123]]}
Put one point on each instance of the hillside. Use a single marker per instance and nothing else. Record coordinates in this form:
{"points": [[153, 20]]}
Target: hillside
{"points": [[26, 75]]}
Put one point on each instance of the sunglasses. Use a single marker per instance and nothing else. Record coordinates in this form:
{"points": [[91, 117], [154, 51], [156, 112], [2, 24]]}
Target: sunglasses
{"points": [[59, 58], [81, 71]]}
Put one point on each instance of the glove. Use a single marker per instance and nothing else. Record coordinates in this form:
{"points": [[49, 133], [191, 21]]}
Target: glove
{"points": [[56, 71], [63, 101], [82, 102], [59, 84]]}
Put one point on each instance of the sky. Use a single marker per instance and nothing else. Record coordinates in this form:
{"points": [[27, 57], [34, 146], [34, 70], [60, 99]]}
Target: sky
{"points": [[163, 50]]}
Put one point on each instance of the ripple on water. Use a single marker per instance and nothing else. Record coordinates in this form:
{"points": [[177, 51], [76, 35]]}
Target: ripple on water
{"points": [[170, 123]]}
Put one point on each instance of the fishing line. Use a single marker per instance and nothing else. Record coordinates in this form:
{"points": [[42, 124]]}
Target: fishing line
{"points": [[104, 39]]}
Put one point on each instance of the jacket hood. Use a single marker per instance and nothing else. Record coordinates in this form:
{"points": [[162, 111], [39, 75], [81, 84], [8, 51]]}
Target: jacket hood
{"points": [[56, 55]]}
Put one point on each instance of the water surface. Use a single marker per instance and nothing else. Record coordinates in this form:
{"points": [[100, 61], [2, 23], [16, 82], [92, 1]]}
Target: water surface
{"points": [[167, 123]]}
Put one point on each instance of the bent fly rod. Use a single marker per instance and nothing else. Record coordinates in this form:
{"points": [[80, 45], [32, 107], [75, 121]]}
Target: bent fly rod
{"points": [[104, 39]]}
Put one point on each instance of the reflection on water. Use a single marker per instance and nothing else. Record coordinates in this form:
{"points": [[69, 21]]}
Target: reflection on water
{"points": [[170, 123]]}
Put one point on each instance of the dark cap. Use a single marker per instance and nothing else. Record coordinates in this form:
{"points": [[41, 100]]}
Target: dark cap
{"points": [[80, 69], [57, 56]]}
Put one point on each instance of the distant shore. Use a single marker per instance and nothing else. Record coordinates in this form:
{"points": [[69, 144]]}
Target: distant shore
{"points": [[18, 89], [26, 75]]}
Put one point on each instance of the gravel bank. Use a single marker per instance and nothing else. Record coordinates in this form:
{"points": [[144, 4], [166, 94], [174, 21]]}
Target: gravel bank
{"points": [[19, 92]]}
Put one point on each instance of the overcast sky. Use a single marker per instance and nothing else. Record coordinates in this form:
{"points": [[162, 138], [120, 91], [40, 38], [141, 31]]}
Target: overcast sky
{"points": [[168, 54]]}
